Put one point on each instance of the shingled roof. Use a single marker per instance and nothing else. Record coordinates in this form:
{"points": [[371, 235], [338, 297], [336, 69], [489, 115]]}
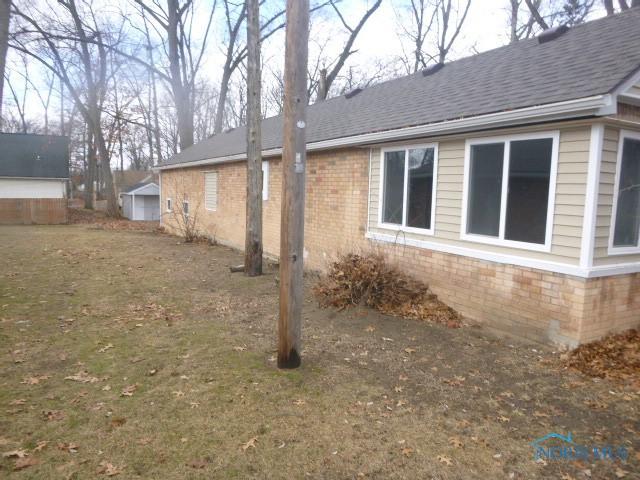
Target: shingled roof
{"points": [[34, 156], [590, 59]]}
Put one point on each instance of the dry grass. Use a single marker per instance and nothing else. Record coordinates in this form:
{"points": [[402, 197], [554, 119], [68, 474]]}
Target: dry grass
{"points": [[137, 354], [369, 280]]}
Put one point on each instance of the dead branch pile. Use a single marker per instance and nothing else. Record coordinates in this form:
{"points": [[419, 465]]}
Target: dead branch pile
{"points": [[615, 357], [369, 280]]}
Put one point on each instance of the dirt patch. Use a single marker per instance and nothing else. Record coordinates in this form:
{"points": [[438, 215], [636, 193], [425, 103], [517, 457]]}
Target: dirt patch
{"points": [[371, 281], [615, 357]]}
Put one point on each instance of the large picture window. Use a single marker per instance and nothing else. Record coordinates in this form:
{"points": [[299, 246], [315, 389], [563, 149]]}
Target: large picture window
{"points": [[626, 213], [408, 188], [509, 188]]}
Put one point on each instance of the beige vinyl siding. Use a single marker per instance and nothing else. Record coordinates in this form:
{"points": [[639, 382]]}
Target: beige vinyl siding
{"points": [[605, 201], [569, 200]]}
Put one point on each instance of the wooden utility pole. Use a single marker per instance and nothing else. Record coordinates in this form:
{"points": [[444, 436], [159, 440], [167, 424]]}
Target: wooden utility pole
{"points": [[253, 235], [293, 173]]}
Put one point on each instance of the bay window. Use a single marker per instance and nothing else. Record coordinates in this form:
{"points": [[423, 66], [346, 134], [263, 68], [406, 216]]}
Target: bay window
{"points": [[408, 188], [509, 190]]}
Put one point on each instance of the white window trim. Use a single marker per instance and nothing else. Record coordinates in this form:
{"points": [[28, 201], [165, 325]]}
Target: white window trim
{"points": [[613, 250], [500, 240], [265, 180], [169, 204], [188, 212], [205, 190], [404, 227]]}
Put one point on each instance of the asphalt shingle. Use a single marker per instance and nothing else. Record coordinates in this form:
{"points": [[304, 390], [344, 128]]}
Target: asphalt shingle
{"points": [[590, 59]]}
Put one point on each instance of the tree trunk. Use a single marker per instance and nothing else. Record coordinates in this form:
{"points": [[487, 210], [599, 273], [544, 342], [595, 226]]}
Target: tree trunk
{"points": [[90, 174], [293, 172], [222, 100], [178, 87], [253, 238], [5, 14]]}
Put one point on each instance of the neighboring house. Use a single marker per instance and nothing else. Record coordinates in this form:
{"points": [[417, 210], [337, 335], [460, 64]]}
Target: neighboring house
{"points": [[141, 202], [34, 170], [508, 181]]}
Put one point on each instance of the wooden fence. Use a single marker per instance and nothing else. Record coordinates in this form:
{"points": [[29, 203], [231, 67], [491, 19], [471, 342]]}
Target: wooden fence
{"points": [[25, 211]]}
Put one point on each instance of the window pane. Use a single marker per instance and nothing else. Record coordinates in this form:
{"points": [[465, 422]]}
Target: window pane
{"points": [[528, 194], [393, 187], [485, 189], [627, 224], [420, 187]]}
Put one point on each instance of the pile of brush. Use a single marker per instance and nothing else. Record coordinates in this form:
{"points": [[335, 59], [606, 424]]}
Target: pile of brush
{"points": [[371, 281]]}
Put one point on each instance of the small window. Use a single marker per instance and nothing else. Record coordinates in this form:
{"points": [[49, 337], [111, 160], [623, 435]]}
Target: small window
{"points": [[265, 180], [509, 190], [408, 188], [626, 225], [211, 190], [169, 206], [185, 208]]}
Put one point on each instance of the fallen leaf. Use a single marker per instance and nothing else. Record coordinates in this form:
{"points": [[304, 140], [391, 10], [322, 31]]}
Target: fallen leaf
{"points": [[198, 463], [370, 328], [456, 442], [403, 378], [410, 350], [445, 459], [108, 469], [251, 443], [239, 349], [16, 454], [299, 402], [621, 473], [566, 476], [178, 393], [34, 380], [40, 445], [82, 377], [52, 415], [26, 462], [68, 447], [503, 419], [19, 401], [406, 451], [105, 348], [128, 390]]}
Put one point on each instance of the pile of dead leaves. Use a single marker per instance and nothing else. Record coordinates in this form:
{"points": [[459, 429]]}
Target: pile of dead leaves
{"points": [[98, 219], [614, 357], [369, 280]]}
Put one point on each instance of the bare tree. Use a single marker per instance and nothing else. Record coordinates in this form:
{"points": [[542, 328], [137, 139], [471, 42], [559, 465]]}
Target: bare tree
{"points": [[174, 23], [328, 77], [609, 7], [236, 51], [74, 49], [449, 21]]}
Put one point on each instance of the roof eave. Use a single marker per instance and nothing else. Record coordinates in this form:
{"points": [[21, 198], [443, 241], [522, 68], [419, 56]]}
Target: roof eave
{"points": [[597, 105]]}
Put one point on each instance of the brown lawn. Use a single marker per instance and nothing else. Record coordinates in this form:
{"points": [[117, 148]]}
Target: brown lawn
{"points": [[131, 353]]}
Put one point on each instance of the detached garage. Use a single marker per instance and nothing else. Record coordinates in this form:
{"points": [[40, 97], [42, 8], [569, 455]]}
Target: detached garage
{"points": [[141, 202], [34, 170]]}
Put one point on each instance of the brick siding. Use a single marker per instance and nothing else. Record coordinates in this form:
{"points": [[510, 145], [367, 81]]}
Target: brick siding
{"points": [[524, 302]]}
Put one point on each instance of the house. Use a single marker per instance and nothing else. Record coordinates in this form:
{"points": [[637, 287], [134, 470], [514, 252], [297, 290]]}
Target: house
{"points": [[34, 170], [506, 180], [141, 202]]}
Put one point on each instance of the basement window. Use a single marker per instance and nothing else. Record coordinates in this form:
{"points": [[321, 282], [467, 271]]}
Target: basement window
{"points": [[185, 208], [509, 190], [409, 188], [169, 206], [625, 237]]}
